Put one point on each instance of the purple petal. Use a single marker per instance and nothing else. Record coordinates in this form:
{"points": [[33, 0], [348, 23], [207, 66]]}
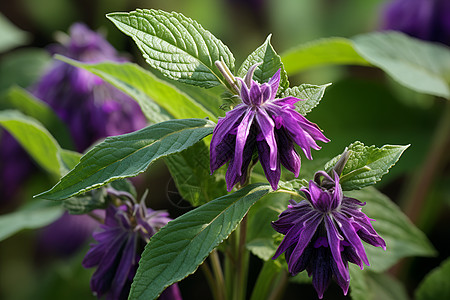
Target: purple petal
{"points": [[334, 240], [222, 129], [272, 175], [305, 237], [274, 82], [241, 139], [267, 126], [255, 94], [248, 79], [352, 237]]}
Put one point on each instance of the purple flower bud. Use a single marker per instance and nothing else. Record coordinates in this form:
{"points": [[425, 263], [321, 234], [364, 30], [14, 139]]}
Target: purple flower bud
{"points": [[264, 125], [120, 242], [424, 19], [323, 234]]}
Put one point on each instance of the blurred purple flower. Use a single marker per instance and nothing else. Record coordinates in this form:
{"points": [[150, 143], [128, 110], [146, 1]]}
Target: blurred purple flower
{"points": [[424, 19], [122, 238], [269, 125], [91, 108], [323, 234]]}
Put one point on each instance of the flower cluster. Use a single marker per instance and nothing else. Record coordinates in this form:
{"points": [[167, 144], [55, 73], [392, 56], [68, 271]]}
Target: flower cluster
{"points": [[323, 233], [120, 242], [265, 125]]}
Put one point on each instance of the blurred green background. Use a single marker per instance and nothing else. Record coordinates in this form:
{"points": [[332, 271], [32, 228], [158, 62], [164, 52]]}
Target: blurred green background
{"points": [[361, 104]]}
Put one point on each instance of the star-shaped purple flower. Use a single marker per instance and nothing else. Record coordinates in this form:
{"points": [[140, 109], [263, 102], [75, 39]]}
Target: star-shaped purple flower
{"points": [[323, 234], [267, 126], [126, 230]]}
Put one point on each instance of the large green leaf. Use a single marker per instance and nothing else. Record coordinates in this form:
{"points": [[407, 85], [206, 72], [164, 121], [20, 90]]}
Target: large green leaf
{"points": [[436, 284], [33, 216], [177, 46], [327, 51], [34, 138], [366, 164], [270, 63], [150, 92], [310, 94], [19, 99], [402, 238], [191, 173], [128, 155], [183, 244], [366, 285], [419, 65]]}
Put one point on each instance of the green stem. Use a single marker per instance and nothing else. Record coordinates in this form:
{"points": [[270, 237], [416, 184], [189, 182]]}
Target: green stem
{"points": [[218, 275], [242, 262], [280, 286], [435, 160], [210, 279]]}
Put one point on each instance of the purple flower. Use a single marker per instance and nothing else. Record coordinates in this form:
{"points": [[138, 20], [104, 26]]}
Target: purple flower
{"points": [[92, 108], [424, 19], [264, 125], [323, 234], [120, 242]]}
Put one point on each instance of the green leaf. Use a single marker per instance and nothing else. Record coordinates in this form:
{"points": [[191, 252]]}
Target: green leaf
{"points": [[402, 238], [150, 92], [182, 245], [128, 155], [36, 215], [366, 285], [419, 65], [20, 99], [327, 51], [366, 164], [177, 46], [435, 285], [191, 173], [34, 138], [270, 63], [311, 94], [11, 35], [260, 234]]}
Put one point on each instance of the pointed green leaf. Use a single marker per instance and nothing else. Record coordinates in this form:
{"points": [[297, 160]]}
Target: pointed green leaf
{"points": [[34, 138], [366, 164], [150, 92], [402, 238], [35, 215], [436, 284], [366, 285], [327, 51], [270, 63], [177, 46], [416, 64], [183, 244], [191, 173], [310, 94], [128, 155]]}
